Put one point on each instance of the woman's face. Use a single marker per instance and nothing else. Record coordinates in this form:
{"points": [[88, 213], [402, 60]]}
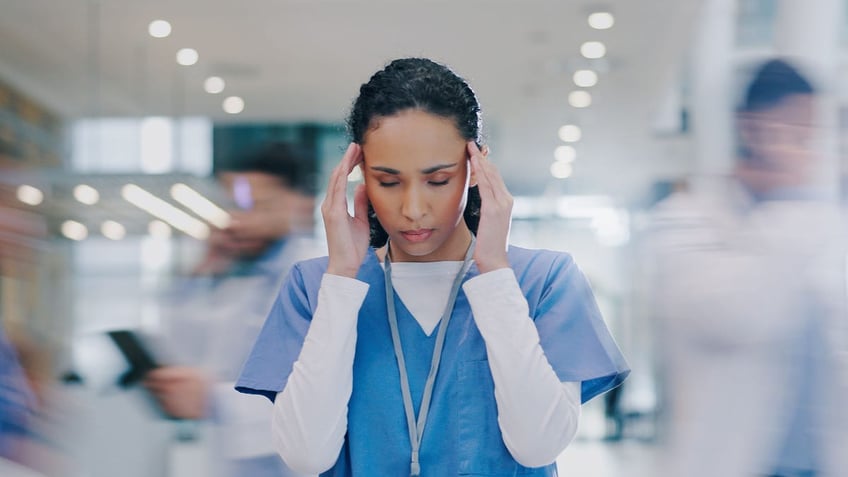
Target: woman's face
{"points": [[417, 176]]}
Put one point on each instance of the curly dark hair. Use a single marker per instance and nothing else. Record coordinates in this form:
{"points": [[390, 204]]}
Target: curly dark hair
{"points": [[417, 83]]}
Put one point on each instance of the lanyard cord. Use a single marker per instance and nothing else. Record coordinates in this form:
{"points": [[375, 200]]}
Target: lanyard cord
{"points": [[416, 431]]}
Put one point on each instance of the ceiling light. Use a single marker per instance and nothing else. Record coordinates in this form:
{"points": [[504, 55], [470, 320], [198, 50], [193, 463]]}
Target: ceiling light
{"points": [[579, 99], [200, 205], [593, 50], [565, 153], [233, 105], [113, 230], [159, 29], [163, 210], [74, 230], [187, 56], [86, 194], [570, 133], [561, 170], [30, 195], [585, 78], [214, 84], [601, 20]]}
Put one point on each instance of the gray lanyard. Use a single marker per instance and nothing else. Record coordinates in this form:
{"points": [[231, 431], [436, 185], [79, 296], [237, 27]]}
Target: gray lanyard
{"points": [[416, 431]]}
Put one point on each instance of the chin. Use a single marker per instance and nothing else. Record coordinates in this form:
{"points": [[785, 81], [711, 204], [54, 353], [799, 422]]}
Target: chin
{"points": [[417, 250]]}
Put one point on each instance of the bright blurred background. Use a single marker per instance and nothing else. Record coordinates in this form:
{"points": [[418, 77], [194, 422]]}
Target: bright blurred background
{"points": [[111, 110]]}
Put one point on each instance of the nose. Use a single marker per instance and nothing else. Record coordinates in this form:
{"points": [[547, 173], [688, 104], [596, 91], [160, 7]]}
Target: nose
{"points": [[413, 203]]}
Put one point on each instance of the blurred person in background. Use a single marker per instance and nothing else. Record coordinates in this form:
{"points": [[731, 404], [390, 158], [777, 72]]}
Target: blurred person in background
{"points": [[219, 311], [16, 402], [751, 298], [28, 400], [16, 398]]}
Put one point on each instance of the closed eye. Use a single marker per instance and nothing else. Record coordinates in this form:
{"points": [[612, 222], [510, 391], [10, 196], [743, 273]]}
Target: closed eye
{"points": [[439, 183], [388, 184]]}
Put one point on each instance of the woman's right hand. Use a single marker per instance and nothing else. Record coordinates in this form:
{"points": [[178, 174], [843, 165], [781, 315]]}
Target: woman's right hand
{"points": [[347, 237]]}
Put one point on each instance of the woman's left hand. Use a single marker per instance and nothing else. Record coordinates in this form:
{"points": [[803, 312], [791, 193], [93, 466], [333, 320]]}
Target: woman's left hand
{"points": [[495, 212]]}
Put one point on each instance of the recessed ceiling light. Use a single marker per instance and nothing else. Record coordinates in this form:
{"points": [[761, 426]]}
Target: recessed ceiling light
{"points": [[570, 133], [214, 84], [585, 78], [601, 20], [74, 230], [233, 105], [593, 50], [113, 230], [30, 195], [86, 194], [580, 99], [561, 170], [159, 29], [187, 56]]}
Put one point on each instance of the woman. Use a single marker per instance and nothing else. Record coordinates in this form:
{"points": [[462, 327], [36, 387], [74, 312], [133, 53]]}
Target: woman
{"points": [[424, 344]]}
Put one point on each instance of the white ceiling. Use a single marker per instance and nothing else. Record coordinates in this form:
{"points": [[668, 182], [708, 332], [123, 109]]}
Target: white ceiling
{"points": [[299, 60]]}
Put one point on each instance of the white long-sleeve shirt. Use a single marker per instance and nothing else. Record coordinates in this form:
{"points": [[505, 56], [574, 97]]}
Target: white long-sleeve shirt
{"points": [[537, 414]]}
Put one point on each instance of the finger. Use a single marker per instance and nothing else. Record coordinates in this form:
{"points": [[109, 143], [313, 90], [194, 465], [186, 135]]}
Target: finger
{"points": [[353, 157], [337, 186], [330, 195], [484, 185], [496, 179], [474, 152], [360, 203], [357, 157], [488, 172]]}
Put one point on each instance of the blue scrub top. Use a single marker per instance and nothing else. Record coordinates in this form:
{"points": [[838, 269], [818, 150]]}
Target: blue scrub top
{"points": [[462, 436]]}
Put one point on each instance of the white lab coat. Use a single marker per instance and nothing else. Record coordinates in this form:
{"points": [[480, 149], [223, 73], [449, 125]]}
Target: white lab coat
{"points": [[213, 324], [735, 283]]}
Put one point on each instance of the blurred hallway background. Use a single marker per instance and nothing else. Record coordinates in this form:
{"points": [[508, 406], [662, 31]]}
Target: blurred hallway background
{"points": [[116, 115]]}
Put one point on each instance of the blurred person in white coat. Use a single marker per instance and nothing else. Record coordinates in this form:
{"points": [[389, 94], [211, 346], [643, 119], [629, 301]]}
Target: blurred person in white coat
{"points": [[750, 294], [217, 313]]}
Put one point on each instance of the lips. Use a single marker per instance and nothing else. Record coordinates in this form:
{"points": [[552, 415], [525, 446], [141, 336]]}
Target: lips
{"points": [[419, 235]]}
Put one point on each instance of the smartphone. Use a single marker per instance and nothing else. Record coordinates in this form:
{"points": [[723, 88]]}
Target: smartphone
{"points": [[137, 355]]}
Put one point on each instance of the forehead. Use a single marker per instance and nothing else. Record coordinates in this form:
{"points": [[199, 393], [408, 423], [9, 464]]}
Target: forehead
{"points": [[413, 134], [797, 108]]}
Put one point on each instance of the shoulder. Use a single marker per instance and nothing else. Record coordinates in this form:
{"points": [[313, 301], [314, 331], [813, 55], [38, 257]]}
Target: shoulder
{"points": [[311, 267], [531, 264], [537, 256]]}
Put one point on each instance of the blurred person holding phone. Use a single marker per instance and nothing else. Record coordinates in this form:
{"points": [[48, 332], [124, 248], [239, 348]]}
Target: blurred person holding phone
{"points": [[217, 313]]}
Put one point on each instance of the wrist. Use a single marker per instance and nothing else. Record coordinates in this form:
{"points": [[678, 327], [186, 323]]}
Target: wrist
{"points": [[348, 272], [490, 266]]}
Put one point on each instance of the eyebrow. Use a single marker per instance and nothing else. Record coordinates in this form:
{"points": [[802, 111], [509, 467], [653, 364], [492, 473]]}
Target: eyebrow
{"points": [[428, 170]]}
